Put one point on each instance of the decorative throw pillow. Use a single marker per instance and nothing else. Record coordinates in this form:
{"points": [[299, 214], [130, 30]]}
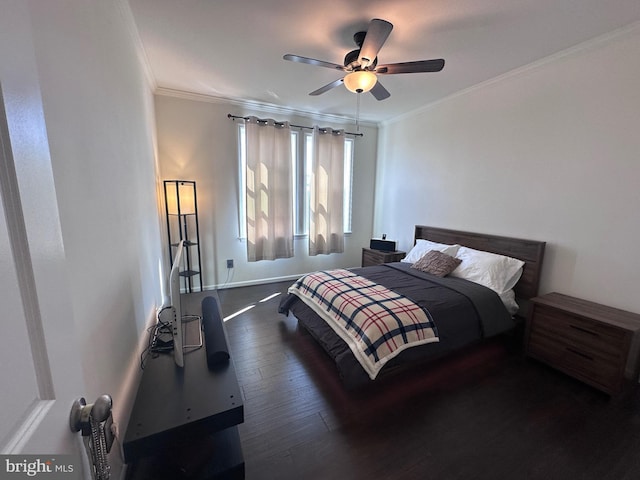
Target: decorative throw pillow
{"points": [[437, 263]]}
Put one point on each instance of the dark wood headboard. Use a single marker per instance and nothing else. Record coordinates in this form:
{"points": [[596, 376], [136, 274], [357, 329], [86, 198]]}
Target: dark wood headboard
{"points": [[529, 251]]}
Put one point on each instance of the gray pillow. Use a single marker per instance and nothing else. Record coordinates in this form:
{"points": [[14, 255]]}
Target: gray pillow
{"points": [[437, 263]]}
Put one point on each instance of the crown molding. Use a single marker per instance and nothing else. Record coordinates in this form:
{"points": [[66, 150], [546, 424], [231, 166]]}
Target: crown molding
{"points": [[264, 108]]}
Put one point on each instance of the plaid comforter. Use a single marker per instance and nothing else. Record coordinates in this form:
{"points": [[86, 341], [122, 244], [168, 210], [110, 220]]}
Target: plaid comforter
{"points": [[375, 322]]}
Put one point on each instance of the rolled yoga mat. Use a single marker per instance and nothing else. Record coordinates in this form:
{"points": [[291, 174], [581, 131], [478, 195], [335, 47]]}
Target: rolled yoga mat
{"points": [[215, 340]]}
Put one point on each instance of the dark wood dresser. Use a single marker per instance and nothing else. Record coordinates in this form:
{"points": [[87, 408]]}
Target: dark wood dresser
{"points": [[596, 344], [377, 257]]}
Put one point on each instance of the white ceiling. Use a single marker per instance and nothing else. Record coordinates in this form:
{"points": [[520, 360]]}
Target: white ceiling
{"points": [[233, 49]]}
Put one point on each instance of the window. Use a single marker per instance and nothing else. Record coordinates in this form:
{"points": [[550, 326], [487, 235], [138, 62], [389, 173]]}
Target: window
{"points": [[348, 177], [242, 165], [348, 181], [301, 157]]}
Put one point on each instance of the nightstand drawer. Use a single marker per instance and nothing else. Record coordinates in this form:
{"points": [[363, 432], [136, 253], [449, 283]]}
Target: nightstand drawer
{"points": [[583, 333], [591, 368], [376, 257]]}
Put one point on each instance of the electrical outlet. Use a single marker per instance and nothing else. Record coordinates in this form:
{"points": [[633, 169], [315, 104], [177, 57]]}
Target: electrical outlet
{"points": [[230, 263]]}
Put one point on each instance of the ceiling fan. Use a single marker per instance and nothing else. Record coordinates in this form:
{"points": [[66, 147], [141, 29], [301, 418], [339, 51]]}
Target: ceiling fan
{"points": [[361, 65]]}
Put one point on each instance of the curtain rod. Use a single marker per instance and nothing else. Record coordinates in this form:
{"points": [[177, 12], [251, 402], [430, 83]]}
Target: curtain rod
{"points": [[233, 117]]}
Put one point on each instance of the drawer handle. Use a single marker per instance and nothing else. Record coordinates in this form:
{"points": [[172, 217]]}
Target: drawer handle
{"points": [[580, 354], [584, 330]]}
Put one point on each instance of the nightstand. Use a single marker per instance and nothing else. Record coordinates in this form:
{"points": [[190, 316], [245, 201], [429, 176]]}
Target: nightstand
{"points": [[596, 344], [377, 257]]}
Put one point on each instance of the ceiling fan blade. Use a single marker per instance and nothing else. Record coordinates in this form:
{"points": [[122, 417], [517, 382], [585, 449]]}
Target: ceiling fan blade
{"points": [[377, 34], [379, 91], [327, 87], [411, 67], [312, 61]]}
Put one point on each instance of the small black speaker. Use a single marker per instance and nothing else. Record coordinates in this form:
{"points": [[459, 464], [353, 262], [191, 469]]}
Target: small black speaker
{"points": [[382, 245]]}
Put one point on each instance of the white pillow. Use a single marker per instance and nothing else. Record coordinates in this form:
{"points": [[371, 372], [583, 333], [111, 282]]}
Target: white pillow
{"points": [[423, 246], [497, 272], [509, 300]]}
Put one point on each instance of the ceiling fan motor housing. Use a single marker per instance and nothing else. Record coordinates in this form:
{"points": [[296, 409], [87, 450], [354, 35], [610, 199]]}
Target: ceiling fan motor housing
{"points": [[351, 60]]}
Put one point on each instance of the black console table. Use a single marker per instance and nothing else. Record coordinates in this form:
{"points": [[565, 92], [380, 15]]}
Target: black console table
{"points": [[183, 422]]}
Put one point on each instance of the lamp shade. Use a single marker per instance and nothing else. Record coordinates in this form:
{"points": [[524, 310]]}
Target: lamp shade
{"points": [[180, 197], [360, 81]]}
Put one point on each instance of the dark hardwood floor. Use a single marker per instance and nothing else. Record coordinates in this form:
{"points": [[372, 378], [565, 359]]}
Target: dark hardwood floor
{"points": [[483, 414]]}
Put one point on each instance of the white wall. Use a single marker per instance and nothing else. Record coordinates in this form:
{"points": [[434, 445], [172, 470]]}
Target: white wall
{"points": [[196, 141], [98, 110], [549, 152]]}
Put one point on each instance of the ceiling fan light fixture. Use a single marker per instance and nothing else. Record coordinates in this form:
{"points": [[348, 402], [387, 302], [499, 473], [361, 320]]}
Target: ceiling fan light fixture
{"points": [[360, 81]]}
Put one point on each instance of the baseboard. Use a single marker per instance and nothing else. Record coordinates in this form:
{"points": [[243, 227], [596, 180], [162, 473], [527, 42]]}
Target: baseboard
{"points": [[250, 283]]}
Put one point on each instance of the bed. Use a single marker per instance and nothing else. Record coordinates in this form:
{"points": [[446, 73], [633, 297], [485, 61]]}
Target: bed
{"points": [[445, 313]]}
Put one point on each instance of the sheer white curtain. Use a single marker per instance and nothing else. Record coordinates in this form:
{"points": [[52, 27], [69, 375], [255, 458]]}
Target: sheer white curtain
{"points": [[269, 195], [326, 226]]}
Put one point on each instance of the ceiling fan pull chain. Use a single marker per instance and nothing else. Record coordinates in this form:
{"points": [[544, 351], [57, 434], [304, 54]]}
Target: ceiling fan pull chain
{"points": [[358, 112]]}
